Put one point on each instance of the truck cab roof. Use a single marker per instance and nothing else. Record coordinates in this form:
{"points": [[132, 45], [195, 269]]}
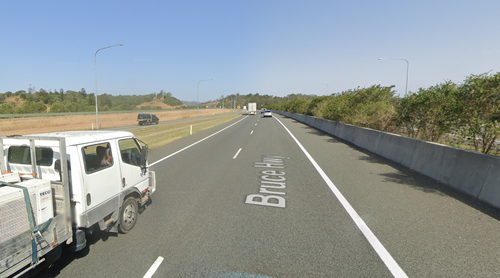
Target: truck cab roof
{"points": [[80, 137]]}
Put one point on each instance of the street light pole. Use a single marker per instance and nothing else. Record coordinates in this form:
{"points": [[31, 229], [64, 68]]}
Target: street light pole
{"points": [[95, 76], [198, 97], [407, 70]]}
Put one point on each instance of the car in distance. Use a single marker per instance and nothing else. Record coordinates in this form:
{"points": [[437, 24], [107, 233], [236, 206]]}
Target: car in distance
{"points": [[267, 113], [147, 119]]}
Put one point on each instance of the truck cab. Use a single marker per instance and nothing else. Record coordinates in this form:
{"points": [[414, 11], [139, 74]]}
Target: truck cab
{"points": [[103, 175]]}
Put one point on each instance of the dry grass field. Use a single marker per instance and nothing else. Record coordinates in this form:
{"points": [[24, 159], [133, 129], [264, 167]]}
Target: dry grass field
{"points": [[156, 136], [44, 124]]}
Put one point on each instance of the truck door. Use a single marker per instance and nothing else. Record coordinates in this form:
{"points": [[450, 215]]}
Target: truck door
{"points": [[101, 177], [130, 153]]}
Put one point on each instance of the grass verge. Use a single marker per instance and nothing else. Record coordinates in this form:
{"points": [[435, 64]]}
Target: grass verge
{"points": [[55, 123], [162, 135]]}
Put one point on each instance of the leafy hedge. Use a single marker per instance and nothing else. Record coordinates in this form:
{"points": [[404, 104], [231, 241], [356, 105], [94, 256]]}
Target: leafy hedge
{"points": [[466, 114]]}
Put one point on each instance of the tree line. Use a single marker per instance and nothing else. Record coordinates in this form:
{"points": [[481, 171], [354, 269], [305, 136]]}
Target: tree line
{"points": [[465, 114], [235, 100], [41, 101]]}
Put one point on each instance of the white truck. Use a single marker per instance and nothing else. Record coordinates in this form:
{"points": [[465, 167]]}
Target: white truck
{"points": [[252, 108], [55, 187]]}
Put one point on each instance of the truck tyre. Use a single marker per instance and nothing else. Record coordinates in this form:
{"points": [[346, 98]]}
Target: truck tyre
{"points": [[128, 215]]}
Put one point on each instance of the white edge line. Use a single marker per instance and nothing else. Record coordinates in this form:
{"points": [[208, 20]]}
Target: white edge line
{"points": [[170, 155], [389, 261], [237, 153], [154, 267]]}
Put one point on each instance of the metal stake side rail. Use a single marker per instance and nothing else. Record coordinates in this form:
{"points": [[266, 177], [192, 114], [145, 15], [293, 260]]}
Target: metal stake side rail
{"points": [[26, 250]]}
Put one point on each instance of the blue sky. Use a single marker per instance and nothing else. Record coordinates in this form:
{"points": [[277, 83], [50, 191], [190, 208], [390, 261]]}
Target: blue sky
{"points": [[268, 47]]}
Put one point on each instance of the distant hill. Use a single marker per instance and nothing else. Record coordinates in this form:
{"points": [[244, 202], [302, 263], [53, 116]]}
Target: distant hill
{"points": [[189, 103], [211, 104]]}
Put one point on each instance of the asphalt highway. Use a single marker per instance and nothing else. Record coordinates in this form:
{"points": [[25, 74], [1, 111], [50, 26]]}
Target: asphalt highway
{"points": [[271, 197]]}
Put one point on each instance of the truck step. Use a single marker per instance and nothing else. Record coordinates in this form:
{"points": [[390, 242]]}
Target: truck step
{"points": [[109, 221]]}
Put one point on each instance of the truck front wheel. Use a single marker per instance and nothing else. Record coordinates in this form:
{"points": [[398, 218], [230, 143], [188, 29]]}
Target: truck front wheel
{"points": [[128, 216]]}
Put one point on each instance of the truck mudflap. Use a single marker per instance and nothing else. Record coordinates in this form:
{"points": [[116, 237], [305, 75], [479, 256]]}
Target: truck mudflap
{"points": [[79, 241]]}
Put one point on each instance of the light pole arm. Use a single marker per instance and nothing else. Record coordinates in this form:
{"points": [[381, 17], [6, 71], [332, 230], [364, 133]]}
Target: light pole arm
{"points": [[407, 70], [95, 78]]}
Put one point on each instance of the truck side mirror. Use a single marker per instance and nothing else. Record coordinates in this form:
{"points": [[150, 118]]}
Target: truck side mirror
{"points": [[144, 156]]}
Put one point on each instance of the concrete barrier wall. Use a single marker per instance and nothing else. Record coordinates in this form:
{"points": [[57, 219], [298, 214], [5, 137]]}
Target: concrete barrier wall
{"points": [[475, 174]]}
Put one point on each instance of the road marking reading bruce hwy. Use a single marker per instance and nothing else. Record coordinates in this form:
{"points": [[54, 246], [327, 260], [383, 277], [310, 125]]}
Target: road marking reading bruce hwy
{"points": [[183, 149], [154, 267], [388, 260], [237, 153], [270, 179]]}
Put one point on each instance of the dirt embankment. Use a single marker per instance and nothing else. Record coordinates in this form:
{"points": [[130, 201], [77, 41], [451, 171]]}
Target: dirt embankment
{"points": [[157, 103]]}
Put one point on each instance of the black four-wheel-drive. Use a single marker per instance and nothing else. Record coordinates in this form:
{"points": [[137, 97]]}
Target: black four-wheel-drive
{"points": [[147, 119]]}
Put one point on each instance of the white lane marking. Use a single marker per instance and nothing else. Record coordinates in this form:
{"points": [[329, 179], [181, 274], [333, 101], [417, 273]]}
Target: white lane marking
{"points": [[154, 267], [251, 132], [237, 153], [255, 123], [168, 156], [389, 261]]}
